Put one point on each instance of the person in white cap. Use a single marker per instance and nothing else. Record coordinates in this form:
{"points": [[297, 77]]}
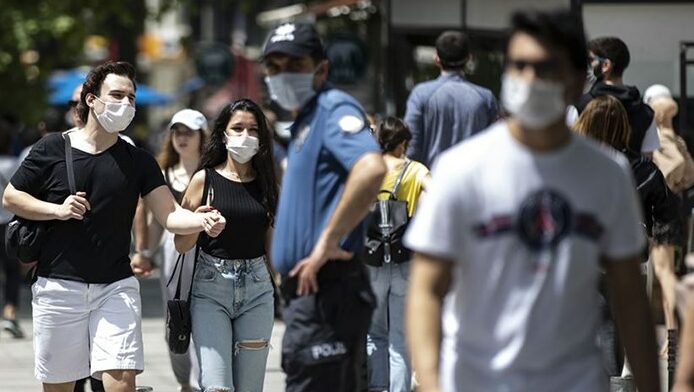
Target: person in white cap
{"points": [[178, 158]]}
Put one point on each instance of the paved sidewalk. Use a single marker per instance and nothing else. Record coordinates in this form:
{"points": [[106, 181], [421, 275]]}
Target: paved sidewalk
{"points": [[17, 361]]}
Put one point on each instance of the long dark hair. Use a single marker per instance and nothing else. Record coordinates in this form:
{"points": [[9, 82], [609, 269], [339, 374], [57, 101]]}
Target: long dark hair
{"points": [[215, 152]]}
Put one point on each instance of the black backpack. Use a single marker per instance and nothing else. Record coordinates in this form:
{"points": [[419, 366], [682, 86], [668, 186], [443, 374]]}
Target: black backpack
{"points": [[387, 221]]}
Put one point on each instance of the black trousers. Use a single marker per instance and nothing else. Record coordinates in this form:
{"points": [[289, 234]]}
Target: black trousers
{"points": [[324, 345]]}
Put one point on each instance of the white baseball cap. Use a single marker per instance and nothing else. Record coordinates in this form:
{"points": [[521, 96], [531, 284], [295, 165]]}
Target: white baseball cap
{"points": [[190, 118], [655, 91]]}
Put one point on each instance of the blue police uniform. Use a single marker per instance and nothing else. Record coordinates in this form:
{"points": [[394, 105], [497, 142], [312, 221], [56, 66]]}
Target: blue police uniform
{"points": [[328, 137], [324, 343]]}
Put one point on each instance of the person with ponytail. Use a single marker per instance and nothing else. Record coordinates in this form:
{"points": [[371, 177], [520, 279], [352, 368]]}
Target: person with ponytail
{"points": [[389, 365], [232, 291]]}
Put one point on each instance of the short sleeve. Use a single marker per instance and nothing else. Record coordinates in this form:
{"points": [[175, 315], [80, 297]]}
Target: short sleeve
{"points": [[151, 175], [347, 135], [651, 141], [571, 116], [31, 175], [439, 224], [624, 235]]}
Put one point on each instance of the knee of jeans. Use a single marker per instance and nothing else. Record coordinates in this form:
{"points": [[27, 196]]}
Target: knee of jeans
{"points": [[250, 345]]}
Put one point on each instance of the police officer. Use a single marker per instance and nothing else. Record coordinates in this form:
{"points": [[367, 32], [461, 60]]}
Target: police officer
{"points": [[334, 172]]}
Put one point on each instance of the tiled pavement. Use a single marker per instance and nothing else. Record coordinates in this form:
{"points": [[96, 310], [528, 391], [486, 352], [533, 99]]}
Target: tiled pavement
{"points": [[16, 356]]}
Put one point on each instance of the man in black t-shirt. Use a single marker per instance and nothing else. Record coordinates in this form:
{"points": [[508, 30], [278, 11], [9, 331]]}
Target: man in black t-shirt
{"points": [[86, 302]]}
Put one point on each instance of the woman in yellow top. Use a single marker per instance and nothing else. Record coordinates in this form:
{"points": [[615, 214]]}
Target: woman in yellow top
{"points": [[389, 365]]}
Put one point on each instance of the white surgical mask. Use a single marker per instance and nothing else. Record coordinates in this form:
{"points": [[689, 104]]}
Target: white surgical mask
{"points": [[291, 90], [243, 147], [116, 116], [537, 104]]}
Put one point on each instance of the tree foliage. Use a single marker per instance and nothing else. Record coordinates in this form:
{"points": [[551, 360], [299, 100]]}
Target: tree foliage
{"points": [[40, 36]]}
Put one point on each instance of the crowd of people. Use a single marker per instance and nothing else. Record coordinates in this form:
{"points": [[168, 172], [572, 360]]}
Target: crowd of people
{"points": [[527, 227]]}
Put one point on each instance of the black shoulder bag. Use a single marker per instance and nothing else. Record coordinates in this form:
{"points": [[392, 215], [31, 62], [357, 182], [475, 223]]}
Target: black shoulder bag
{"points": [[387, 221], [24, 238], [178, 321]]}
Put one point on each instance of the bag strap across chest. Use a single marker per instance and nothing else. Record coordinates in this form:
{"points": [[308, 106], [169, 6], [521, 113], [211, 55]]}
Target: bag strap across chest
{"points": [[69, 163], [393, 193]]}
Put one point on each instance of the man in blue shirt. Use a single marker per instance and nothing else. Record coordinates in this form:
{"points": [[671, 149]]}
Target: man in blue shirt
{"points": [[333, 174], [445, 111]]}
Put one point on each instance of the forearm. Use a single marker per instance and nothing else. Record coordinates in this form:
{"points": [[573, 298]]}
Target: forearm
{"points": [[183, 222], [430, 280], [633, 317], [423, 329], [140, 226], [28, 207], [154, 232], [185, 243], [360, 191]]}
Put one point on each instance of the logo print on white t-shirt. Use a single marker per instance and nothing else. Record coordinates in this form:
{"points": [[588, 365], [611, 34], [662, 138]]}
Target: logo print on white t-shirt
{"points": [[544, 219]]}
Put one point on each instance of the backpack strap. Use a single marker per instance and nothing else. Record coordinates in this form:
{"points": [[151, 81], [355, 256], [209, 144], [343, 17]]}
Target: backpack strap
{"points": [[396, 186], [69, 162]]}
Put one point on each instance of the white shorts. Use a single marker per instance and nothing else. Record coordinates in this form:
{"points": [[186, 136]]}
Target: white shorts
{"points": [[84, 329]]}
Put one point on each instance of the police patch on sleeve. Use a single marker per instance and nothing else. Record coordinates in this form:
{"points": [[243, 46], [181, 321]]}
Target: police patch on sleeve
{"points": [[351, 124]]}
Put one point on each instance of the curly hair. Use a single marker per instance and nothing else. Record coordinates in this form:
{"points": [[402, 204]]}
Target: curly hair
{"points": [[215, 151], [95, 79]]}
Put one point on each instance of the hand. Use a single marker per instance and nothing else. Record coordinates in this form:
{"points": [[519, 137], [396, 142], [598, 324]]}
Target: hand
{"points": [[142, 266], [213, 222], [307, 269], [74, 207]]}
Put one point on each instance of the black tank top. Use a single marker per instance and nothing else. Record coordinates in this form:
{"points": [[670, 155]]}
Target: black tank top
{"points": [[247, 221]]}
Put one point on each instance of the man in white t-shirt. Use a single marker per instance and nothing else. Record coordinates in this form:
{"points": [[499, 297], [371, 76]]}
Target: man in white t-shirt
{"points": [[510, 241]]}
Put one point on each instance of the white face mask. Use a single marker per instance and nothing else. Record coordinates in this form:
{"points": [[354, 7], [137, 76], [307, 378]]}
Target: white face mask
{"points": [[536, 105], [116, 116], [242, 148], [291, 90]]}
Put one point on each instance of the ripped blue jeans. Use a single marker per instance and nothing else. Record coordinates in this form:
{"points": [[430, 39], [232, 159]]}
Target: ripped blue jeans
{"points": [[232, 313]]}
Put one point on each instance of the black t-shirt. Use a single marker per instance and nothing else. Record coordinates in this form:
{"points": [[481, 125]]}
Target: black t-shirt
{"points": [[241, 204], [96, 249]]}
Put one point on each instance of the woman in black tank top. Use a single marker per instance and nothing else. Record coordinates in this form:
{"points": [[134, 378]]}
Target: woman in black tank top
{"points": [[179, 158], [232, 295]]}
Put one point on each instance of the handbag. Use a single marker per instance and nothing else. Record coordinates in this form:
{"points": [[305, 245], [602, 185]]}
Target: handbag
{"points": [[178, 321], [386, 224], [179, 325], [24, 238]]}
